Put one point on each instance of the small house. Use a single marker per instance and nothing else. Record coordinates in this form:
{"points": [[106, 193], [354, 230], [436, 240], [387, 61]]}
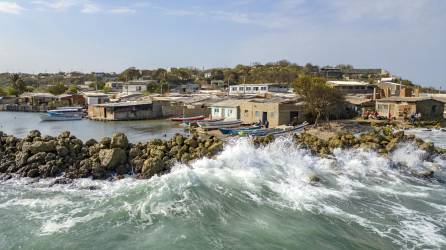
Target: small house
{"points": [[37, 99], [277, 111], [227, 109], [135, 87], [124, 111], [93, 98], [71, 100], [115, 86], [396, 107]]}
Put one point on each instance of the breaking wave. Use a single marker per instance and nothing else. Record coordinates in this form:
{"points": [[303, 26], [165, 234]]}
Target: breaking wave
{"points": [[245, 198]]}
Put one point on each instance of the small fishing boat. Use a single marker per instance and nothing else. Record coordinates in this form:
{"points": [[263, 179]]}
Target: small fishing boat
{"points": [[63, 114], [236, 131], [188, 119], [219, 124], [273, 131]]}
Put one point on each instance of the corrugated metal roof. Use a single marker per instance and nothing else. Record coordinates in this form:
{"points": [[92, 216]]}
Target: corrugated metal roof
{"points": [[408, 99]]}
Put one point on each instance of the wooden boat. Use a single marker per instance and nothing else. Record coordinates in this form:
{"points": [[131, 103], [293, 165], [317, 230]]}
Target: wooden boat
{"points": [[188, 119], [63, 114], [236, 131], [272, 131], [219, 124]]}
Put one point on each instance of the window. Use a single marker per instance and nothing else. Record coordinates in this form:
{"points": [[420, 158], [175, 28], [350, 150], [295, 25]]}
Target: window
{"points": [[263, 88], [246, 111], [138, 88], [234, 88], [248, 88], [230, 112], [256, 88], [216, 110], [241, 88], [257, 113]]}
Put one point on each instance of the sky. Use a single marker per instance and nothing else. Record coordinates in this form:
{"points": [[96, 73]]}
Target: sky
{"points": [[406, 37]]}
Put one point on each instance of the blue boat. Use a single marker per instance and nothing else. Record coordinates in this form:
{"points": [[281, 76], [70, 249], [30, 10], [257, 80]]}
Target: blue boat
{"points": [[272, 131], [236, 131]]}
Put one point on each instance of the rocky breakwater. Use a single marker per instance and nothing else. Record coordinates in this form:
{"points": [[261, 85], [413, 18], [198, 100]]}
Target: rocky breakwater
{"points": [[38, 156], [383, 140]]}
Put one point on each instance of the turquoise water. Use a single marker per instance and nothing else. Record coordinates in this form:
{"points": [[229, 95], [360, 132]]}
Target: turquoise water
{"points": [[20, 123], [245, 198]]}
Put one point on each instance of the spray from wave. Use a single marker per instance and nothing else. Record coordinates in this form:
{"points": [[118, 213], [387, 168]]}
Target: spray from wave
{"points": [[246, 197]]}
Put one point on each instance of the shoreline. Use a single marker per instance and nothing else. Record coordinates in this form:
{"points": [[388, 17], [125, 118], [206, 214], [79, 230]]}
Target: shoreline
{"points": [[67, 157]]}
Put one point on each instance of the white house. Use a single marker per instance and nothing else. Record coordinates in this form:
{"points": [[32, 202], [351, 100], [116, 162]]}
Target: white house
{"points": [[256, 89], [135, 87], [227, 109]]}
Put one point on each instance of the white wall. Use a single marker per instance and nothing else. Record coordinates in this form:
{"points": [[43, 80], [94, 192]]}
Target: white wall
{"points": [[228, 113]]}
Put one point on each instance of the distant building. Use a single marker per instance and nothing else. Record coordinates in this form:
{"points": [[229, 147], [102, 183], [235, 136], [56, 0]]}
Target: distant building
{"points": [[257, 89], [71, 100], [352, 87], [93, 98], [187, 88], [331, 73], [115, 86], [136, 86], [396, 107], [364, 73], [36, 99]]}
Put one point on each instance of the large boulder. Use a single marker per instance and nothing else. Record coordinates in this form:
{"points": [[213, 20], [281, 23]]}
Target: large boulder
{"points": [[119, 140], [40, 146], [152, 167], [112, 158], [62, 151], [39, 158]]}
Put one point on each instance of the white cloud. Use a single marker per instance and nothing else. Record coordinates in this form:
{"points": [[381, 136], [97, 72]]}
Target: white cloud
{"points": [[11, 8], [122, 10], [56, 5], [90, 8]]}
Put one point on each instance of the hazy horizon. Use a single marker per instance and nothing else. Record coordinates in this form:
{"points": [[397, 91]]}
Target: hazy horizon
{"points": [[402, 37]]}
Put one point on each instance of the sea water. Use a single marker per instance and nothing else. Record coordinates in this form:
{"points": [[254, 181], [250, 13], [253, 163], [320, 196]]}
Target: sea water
{"points": [[244, 198]]}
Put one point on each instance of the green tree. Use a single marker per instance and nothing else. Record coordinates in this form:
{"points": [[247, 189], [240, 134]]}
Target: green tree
{"points": [[129, 74], [73, 89], [320, 99], [57, 89], [2, 91], [16, 85], [107, 89]]}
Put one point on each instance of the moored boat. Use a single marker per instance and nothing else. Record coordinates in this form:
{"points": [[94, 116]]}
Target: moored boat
{"points": [[63, 114], [219, 124], [188, 119], [273, 131], [236, 131]]}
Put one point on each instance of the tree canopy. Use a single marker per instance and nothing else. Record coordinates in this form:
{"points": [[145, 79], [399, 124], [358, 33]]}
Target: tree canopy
{"points": [[320, 99], [16, 85]]}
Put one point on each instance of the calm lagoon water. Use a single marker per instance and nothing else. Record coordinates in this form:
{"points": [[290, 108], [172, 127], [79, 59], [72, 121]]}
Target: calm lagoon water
{"points": [[19, 124]]}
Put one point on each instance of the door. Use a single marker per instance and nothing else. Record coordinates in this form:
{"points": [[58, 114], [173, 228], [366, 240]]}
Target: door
{"points": [[294, 117], [223, 114], [264, 117]]}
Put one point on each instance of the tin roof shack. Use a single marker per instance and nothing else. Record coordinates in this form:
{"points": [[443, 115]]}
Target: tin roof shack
{"points": [[227, 109], [115, 86], [194, 105], [277, 111], [71, 100], [358, 104], [124, 111], [351, 87], [37, 99], [402, 107]]}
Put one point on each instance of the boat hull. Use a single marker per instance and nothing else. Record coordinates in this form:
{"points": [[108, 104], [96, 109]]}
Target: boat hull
{"points": [[236, 131], [221, 124], [48, 118], [188, 119]]}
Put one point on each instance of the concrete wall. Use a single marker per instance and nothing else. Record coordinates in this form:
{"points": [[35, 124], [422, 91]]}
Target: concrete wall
{"points": [[430, 109], [172, 110], [277, 113]]}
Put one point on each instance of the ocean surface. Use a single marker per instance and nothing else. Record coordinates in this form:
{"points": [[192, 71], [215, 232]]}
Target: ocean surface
{"points": [[245, 198]]}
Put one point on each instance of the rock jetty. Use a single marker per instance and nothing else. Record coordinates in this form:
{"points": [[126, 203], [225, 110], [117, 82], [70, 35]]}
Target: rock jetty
{"points": [[38, 156], [384, 140]]}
